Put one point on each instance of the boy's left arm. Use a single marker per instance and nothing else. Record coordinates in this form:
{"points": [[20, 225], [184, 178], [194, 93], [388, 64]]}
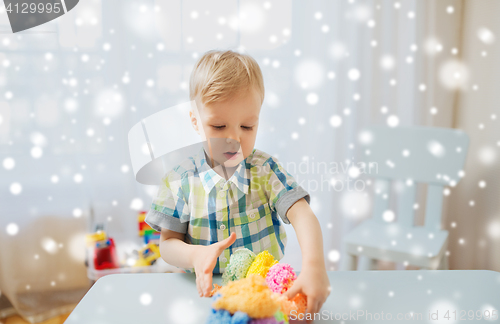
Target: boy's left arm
{"points": [[312, 280]]}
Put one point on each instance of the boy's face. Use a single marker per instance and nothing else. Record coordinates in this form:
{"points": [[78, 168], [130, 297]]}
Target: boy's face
{"points": [[229, 127]]}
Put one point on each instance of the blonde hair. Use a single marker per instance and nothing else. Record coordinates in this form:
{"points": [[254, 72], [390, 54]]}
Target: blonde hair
{"points": [[219, 74]]}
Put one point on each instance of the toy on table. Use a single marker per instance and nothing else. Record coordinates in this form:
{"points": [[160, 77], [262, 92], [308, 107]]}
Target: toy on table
{"points": [[104, 250], [92, 238], [280, 277], [148, 255], [253, 291], [149, 234], [297, 305], [248, 296], [263, 261], [238, 265]]}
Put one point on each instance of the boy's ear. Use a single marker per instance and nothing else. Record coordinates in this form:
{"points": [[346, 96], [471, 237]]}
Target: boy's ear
{"points": [[194, 122], [194, 116]]}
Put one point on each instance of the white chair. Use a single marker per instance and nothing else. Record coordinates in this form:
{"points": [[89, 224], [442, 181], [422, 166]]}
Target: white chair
{"points": [[412, 155]]}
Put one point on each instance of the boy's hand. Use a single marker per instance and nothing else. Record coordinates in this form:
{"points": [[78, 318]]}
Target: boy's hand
{"points": [[205, 259], [312, 282]]}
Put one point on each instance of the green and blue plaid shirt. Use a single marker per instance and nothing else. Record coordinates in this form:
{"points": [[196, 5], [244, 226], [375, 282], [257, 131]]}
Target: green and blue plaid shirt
{"points": [[195, 200]]}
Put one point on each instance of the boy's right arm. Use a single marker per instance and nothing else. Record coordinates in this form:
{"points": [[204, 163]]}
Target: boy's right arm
{"points": [[175, 251]]}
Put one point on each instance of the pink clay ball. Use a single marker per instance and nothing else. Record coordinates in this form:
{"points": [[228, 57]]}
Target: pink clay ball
{"points": [[280, 277]]}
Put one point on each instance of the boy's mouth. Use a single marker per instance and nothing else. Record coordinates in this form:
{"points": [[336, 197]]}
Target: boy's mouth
{"points": [[231, 155]]}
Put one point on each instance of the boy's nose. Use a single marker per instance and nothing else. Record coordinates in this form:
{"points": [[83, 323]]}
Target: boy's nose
{"points": [[232, 137], [232, 141]]}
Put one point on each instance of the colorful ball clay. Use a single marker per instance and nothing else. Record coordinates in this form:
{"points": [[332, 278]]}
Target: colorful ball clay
{"points": [[215, 289], [220, 316], [268, 320], [300, 300], [240, 318], [255, 299], [238, 266], [297, 305], [249, 295], [280, 317], [260, 266], [280, 277]]}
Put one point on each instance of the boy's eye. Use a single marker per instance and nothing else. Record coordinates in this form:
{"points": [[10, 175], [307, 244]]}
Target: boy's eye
{"points": [[223, 126]]}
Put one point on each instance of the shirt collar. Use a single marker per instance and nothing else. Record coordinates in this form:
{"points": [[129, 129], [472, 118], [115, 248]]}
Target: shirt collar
{"points": [[209, 178]]}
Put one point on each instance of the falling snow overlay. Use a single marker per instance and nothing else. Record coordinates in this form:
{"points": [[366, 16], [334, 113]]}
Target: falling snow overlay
{"points": [[72, 88]]}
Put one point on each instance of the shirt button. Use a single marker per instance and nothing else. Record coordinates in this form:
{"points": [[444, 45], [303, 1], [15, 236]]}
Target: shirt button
{"points": [[252, 215], [224, 260], [222, 194], [223, 227]]}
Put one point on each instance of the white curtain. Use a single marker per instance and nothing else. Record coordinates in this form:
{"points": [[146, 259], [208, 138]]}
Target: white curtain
{"points": [[72, 89], [474, 207]]}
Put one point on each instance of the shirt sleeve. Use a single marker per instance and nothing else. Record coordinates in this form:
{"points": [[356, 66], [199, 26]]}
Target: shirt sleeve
{"points": [[283, 190], [169, 208]]}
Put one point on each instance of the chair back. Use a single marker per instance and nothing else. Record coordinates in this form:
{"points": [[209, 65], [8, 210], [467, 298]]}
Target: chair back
{"points": [[416, 154]]}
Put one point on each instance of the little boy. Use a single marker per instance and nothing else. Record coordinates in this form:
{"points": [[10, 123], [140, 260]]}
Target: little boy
{"points": [[229, 195]]}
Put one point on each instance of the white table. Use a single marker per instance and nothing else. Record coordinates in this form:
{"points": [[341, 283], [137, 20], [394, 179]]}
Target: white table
{"points": [[173, 298]]}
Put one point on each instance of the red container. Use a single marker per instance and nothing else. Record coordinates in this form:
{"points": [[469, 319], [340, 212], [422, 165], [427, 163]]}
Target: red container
{"points": [[105, 257]]}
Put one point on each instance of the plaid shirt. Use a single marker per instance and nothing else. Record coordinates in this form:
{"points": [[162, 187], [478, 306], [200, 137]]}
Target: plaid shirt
{"points": [[195, 200]]}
